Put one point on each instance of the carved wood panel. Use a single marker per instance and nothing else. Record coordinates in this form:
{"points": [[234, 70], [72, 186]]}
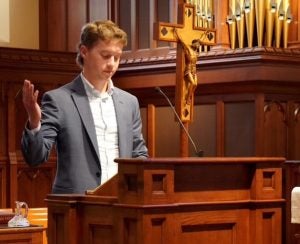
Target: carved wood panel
{"points": [[275, 129]]}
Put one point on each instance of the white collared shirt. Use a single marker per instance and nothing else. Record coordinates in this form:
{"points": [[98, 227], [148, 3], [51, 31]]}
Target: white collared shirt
{"points": [[105, 121]]}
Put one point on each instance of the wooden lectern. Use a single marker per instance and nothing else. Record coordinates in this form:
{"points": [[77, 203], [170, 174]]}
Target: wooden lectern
{"points": [[176, 201]]}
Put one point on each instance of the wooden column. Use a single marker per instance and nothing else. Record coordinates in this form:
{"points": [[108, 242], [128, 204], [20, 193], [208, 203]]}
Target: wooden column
{"points": [[220, 135], [259, 124], [294, 31], [222, 35], [151, 130]]}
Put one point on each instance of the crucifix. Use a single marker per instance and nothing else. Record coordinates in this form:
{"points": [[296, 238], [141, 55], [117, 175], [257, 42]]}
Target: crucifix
{"points": [[189, 38]]}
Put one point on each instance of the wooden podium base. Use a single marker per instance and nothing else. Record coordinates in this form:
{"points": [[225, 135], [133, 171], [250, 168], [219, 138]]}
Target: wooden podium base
{"points": [[176, 200]]}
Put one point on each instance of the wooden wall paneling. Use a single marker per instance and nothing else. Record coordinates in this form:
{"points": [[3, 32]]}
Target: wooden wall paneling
{"points": [[77, 15], [61, 21], [294, 29], [144, 117], [16, 115], [22, 235], [167, 133], [267, 185], [137, 77], [3, 181], [46, 70], [102, 230], [64, 217], [293, 139], [203, 129], [259, 124], [11, 118], [13, 180], [59, 18], [151, 130], [133, 23], [157, 226], [13, 95], [3, 146], [296, 139], [139, 23], [152, 19], [114, 11], [127, 21], [143, 24], [43, 20], [3, 118], [265, 231], [56, 25], [30, 184], [220, 133], [268, 78], [98, 9], [215, 226], [239, 125], [275, 129], [37, 182]]}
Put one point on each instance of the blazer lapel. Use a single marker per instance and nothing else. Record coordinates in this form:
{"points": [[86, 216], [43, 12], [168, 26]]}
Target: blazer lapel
{"points": [[122, 125], [82, 103]]}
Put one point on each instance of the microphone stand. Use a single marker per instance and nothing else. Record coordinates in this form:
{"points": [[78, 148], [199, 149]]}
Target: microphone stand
{"points": [[199, 153]]}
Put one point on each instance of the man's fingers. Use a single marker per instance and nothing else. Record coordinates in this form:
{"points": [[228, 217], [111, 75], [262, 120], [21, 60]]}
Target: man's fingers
{"points": [[30, 96], [35, 95]]}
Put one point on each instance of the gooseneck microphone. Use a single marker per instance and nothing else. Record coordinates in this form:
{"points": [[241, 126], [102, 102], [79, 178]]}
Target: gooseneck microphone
{"points": [[199, 153]]}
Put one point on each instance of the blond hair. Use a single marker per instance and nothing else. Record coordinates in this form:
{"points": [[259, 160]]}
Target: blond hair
{"points": [[105, 30]]}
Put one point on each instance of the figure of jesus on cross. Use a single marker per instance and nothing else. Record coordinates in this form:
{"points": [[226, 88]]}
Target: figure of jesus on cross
{"points": [[191, 53], [189, 39]]}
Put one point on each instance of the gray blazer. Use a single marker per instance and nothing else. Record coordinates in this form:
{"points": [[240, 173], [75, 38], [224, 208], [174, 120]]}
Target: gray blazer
{"points": [[67, 122]]}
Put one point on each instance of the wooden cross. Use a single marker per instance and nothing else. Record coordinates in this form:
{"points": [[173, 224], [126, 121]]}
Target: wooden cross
{"points": [[189, 38]]}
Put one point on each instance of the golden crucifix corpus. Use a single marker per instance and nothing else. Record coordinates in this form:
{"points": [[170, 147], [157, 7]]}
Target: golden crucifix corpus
{"points": [[189, 38]]}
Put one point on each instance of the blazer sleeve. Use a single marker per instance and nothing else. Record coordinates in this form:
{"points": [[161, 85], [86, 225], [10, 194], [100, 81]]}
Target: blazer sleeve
{"points": [[139, 147], [36, 147]]}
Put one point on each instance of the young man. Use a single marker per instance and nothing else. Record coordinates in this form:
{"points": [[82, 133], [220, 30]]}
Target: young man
{"points": [[90, 121]]}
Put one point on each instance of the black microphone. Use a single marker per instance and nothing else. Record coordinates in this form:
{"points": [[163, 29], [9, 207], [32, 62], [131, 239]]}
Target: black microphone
{"points": [[199, 153]]}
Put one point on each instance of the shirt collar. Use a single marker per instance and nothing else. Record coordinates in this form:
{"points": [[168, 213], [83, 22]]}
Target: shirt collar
{"points": [[92, 92]]}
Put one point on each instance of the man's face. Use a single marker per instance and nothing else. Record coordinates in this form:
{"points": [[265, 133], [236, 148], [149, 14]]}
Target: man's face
{"points": [[102, 60]]}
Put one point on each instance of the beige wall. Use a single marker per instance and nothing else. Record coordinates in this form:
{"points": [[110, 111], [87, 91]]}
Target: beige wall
{"points": [[4, 21], [19, 25]]}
